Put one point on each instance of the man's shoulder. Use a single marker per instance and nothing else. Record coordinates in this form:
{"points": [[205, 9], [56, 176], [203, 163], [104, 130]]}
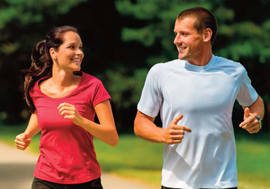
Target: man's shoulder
{"points": [[225, 63], [228, 62], [166, 66]]}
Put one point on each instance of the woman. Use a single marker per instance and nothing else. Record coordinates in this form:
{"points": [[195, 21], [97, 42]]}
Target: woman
{"points": [[63, 102]]}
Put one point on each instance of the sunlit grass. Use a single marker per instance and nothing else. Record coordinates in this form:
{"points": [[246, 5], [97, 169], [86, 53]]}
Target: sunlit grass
{"points": [[253, 163], [136, 159], [132, 158]]}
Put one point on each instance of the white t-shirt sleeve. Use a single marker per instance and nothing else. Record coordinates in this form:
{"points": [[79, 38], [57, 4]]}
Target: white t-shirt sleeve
{"points": [[247, 95], [151, 98]]}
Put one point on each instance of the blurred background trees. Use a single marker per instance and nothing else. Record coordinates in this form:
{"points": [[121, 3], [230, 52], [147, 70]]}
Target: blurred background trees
{"points": [[122, 40]]}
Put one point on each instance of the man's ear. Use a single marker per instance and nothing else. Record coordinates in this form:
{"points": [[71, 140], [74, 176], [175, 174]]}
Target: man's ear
{"points": [[53, 53], [207, 34]]}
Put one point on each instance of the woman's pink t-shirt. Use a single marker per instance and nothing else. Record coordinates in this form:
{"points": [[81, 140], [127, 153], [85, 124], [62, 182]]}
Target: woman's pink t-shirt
{"points": [[67, 154]]}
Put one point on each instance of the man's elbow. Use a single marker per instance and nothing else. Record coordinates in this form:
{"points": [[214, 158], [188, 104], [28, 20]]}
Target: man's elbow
{"points": [[137, 127]]}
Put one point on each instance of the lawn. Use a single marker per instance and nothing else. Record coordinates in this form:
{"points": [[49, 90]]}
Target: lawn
{"points": [[137, 159]]}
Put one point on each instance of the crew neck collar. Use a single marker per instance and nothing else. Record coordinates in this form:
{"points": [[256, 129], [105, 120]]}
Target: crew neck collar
{"points": [[195, 68]]}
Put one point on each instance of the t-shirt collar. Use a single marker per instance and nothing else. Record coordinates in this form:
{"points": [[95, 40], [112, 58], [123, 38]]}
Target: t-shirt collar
{"points": [[195, 68]]}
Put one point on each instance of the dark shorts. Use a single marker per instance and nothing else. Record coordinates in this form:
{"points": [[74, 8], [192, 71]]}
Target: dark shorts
{"points": [[163, 187], [42, 184]]}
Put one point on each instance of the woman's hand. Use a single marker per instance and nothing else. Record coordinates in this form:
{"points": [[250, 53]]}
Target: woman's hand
{"points": [[68, 111], [22, 141], [105, 131]]}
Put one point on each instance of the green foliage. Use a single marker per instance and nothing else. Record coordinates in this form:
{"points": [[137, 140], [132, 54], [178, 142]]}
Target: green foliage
{"points": [[6, 15], [18, 16], [25, 13], [224, 14], [152, 22], [143, 35], [121, 86], [123, 41], [247, 41], [148, 11]]}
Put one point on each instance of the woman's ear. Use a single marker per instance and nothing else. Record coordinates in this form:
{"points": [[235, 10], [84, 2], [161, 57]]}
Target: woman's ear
{"points": [[53, 53], [207, 34]]}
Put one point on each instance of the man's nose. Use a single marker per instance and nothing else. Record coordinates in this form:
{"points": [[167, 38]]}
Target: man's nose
{"points": [[177, 39]]}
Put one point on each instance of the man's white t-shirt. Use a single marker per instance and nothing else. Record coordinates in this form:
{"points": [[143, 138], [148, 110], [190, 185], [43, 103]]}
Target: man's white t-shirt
{"points": [[205, 95]]}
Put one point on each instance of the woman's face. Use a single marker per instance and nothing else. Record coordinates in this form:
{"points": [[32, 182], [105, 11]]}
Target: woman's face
{"points": [[69, 55]]}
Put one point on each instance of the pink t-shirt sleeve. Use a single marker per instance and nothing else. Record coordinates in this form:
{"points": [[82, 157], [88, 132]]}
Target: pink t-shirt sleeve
{"points": [[100, 94]]}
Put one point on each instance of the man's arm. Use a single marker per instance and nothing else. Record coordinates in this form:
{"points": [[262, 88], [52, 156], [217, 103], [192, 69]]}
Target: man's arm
{"points": [[145, 128], [257, 108], [250, 123]]}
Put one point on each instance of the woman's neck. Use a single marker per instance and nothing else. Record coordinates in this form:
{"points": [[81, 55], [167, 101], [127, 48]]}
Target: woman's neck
{"points": [[63, 79]]}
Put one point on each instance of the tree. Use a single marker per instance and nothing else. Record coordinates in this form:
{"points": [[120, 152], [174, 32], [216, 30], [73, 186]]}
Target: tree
{"points": [[22, 24], [147, 34]]}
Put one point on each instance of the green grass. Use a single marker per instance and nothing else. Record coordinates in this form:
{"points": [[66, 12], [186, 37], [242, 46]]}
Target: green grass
{"points": [[9, 133], [132, 158], [140, 160], [253, 163]]}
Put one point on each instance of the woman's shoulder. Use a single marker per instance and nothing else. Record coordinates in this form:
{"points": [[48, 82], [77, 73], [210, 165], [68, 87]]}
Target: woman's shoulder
{"points": [[88, 79], [36, 87]]}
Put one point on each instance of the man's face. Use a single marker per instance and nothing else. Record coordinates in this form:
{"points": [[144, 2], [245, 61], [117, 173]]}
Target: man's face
{"points": [[187, 40]]}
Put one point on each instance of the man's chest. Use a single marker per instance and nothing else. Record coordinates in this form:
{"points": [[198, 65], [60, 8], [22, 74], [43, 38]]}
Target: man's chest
{"points": [[199, 92]]}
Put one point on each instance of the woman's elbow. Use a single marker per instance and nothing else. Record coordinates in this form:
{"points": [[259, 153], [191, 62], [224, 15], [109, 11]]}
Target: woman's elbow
{"points": [[114, 140]]}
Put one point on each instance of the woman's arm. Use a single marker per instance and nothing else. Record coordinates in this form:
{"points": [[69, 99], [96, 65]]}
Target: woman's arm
{"points": [[23, 140], [105, 131]]}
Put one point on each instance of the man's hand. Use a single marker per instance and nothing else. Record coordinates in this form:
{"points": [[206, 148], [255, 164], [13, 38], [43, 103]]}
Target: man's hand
{"points": [[250, 123], [22, 141], [175, 133]]}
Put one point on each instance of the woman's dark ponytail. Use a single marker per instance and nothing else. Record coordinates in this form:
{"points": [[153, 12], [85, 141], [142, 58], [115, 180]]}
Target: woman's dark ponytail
{"points": [[41, 66]]}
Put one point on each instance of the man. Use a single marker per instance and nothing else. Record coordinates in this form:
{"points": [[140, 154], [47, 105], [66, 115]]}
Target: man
{"points": [[195, 95]]}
